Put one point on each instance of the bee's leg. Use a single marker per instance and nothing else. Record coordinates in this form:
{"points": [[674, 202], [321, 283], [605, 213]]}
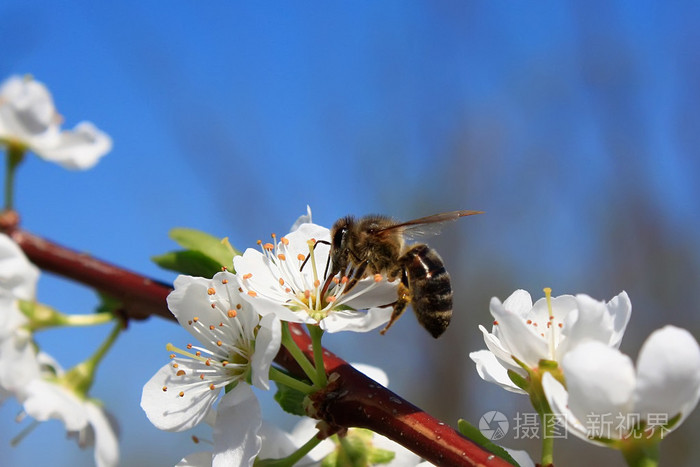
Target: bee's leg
{"points": [[357, 274], [399, 305], [404, 298]]}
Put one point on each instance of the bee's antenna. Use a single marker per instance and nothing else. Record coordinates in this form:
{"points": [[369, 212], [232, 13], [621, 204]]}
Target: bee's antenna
{"points": [[301, 268]]}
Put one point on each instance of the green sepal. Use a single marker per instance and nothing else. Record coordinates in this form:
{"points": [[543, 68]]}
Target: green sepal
{"points": [[207, 244], [108, 304], [473, 433], [356, 449], [291, 400], [519, 380], [379, 456], [191, 263]]}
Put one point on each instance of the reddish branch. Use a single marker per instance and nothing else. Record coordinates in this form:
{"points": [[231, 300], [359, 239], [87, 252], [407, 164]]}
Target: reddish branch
{"points": [[350, 400]]}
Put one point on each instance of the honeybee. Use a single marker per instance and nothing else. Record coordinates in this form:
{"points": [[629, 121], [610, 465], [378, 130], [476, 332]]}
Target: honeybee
{"points": [[377, 245]]}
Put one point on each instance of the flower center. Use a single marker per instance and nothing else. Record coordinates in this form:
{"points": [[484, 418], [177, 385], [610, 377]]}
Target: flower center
{"points": [[224, 359], [297, 283]]}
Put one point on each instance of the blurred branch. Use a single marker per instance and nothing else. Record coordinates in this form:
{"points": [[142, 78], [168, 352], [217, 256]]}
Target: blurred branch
{"points": [[351, 398]]}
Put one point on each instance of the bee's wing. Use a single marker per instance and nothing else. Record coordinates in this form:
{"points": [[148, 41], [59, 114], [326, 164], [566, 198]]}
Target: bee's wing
{"points": [[430, 225]]}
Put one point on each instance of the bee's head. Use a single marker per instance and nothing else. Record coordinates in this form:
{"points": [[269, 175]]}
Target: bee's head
{"points": [[339, 242]]}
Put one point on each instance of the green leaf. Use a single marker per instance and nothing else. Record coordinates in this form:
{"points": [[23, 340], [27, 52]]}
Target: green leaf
{"points": [[290, 400], [473, 433], [207, 244], [193, 263]]}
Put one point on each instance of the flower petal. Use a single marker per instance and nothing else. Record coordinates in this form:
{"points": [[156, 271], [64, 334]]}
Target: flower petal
{"points": [[620, 308], [276, 443], [267, 344], [45, 400], [517, 337], [236, 432], [304, 219], [357, 321], [519, 302], [106, 443], [262, 289], [373, 372], [198, 459], [77, 149], [491, 370], [170, 411], [18, 277], [27, 112], [557, 397], [600, 381], [668, 374], [521, 457], [19, 364], [191, 300], [588, 320], [504, 357]]}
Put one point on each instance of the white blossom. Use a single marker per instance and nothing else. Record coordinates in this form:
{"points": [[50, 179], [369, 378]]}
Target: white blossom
{"points": [[44, 398], [287, 279], [608, 398], [531, 333], [18, 356], [29, 120], [237, 347]]}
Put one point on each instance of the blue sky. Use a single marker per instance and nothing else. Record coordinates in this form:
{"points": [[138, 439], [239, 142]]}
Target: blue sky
{"points": [[575, 128]]}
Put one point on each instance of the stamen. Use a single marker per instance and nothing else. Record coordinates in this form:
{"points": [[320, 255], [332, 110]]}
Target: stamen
{"points": [[172, 348], [211, 291], [232, 313]]}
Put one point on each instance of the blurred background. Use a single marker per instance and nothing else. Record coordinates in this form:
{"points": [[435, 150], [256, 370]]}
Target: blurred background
{"points": [[576, 128]]}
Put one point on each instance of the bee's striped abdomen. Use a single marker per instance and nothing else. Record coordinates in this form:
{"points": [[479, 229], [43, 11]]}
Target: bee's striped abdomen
{"points": [[430, 287]]}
